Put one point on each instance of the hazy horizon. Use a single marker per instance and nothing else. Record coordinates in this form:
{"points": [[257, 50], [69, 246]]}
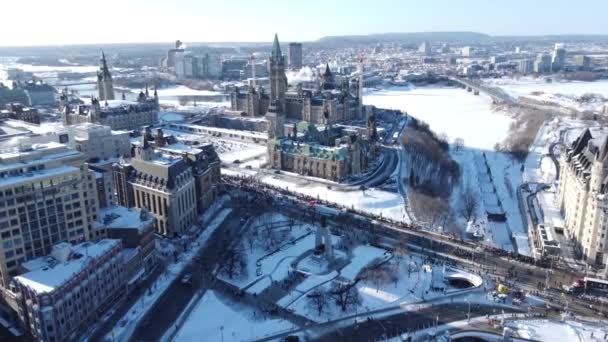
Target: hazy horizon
{"points": [[72, 22]]}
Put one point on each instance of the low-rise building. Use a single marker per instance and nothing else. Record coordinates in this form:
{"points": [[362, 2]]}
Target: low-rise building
{"points": [[18, 111], [13, 95], [40, 93], [135, 229], [99, 142], [60, 295]]}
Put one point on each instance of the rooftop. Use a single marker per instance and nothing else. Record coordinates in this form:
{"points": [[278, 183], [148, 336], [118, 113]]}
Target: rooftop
{"points": [[119, 217], [50, 272]]}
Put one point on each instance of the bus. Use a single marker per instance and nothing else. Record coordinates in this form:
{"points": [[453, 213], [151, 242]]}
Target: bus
{"points": [[587, 284]]}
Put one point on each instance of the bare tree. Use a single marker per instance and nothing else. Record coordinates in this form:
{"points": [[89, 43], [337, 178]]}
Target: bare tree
{"points": [[250, 238], [234, 262], [469, 204], [345, 295], [431, 209], [318, 299]]}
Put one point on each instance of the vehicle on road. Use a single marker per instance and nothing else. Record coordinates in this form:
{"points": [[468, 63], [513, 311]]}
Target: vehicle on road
{"points": [[187, 279]]}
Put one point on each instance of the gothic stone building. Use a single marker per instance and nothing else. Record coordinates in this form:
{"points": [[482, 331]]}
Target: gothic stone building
{"points": [[326, 104], [105, 110], [331, 153], [583, 193]]}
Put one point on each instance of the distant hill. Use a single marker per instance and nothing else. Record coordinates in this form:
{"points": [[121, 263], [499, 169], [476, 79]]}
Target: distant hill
{"points": [[406, 37], [455, 37]]}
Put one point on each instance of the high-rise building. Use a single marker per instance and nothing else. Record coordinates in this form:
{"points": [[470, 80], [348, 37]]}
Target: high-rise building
{"points": [[47, 195], [558, 58], [582, 194], [276, 69], [295, 56], [466, 51], [105, 86], [425, 48], [542, 63], [583, 62], [525, 66]]}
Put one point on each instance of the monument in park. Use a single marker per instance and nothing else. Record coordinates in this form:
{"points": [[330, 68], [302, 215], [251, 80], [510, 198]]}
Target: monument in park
{"points": [[323, 246]]}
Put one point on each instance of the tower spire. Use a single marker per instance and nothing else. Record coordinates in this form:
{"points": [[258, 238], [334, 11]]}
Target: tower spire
{"points": [[276, 48]]}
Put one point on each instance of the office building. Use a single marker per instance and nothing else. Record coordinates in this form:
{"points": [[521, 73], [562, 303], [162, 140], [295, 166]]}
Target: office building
{"points": [[294, 54], [47, 195], [61, 295], [558, 58]]}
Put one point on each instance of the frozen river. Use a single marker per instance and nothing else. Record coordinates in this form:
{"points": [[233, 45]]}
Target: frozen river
{"points": [[448, 110]]}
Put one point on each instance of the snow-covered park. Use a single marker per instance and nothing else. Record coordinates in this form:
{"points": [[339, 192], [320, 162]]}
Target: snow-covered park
{"points": [[218, 318], [550, 330]]}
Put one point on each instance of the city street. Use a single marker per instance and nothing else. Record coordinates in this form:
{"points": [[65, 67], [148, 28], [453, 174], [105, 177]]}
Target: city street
{"points": [[168, 308]]}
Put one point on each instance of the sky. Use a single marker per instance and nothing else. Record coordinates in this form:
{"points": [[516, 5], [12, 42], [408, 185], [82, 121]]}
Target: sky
{"points": [[59, 22]]}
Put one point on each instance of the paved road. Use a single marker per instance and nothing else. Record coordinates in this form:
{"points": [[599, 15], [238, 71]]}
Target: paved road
{"points": [[168, 308], [408, 321]]}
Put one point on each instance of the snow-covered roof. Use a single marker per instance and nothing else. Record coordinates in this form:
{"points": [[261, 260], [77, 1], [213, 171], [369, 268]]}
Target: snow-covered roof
{"points": [[48, 273], [121, 217]]}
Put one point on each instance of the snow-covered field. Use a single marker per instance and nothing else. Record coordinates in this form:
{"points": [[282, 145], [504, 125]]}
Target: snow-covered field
{"points": [[378, 202], [548, 330], [216, 318], [452, 111], [563, 93]]}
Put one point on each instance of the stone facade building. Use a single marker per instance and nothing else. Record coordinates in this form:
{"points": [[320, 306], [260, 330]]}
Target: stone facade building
{"points": [[105, 110], [174, 182], [118, 114], [331, 154], [62, 294], [18, 111], [583, 194], [328, 103]]}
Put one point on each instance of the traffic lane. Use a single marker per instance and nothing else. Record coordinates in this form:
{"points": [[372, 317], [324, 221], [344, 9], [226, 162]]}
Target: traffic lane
{"points": [[371, 330], [168, 308]]}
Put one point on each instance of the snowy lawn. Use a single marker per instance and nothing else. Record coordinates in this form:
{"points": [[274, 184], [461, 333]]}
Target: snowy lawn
{"points": [[378, 202], [547, 330], [362, 257], [275, 266], [216, 318]]}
